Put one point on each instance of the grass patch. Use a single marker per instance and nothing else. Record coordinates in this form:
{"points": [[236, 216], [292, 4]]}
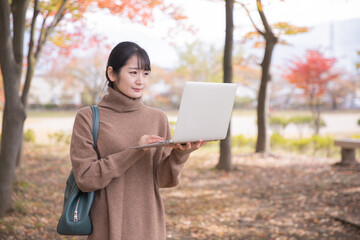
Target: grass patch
{"points": [[21, 184]]}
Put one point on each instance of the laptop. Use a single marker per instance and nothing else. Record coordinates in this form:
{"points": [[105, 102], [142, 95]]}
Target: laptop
{"points": [[204, 114]]}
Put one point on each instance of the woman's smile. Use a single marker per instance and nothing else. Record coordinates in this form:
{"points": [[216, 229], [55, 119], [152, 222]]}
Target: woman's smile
{"points": [[137, 89]]}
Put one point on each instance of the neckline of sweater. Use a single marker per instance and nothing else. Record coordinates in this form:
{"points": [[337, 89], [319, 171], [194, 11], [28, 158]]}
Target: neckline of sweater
{"points": [[119, 102]]}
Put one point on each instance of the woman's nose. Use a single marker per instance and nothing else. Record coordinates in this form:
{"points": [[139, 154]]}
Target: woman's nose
{"points": [[140, 79]]}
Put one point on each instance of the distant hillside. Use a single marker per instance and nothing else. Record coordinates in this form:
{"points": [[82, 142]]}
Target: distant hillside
{"points": [[338, 39]]}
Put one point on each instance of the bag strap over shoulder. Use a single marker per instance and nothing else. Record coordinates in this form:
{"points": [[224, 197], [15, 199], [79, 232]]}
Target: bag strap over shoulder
{"points": [[75, 218], [96, 119]]}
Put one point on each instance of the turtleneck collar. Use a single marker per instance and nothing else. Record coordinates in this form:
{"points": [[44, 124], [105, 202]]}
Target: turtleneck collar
{"points": [[119, 102]]}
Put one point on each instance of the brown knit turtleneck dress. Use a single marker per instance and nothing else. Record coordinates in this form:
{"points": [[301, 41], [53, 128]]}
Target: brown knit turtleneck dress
{"points": [[127, 202]]}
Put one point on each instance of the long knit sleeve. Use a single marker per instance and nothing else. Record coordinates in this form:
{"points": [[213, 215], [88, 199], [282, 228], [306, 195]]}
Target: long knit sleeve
{"points": [[90, 172], [169, 168]]}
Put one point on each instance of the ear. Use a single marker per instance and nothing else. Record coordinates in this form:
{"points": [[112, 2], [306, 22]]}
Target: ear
{"points": [[111, 74]]}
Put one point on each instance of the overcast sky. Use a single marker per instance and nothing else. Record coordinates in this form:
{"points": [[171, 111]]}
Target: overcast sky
{"points": [[208, 17]]}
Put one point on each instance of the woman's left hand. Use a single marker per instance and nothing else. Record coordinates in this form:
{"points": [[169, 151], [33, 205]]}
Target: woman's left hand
{"points": [[188, 145]]}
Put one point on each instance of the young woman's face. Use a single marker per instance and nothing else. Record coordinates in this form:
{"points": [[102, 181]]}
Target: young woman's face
{"points": [[131, 80]]}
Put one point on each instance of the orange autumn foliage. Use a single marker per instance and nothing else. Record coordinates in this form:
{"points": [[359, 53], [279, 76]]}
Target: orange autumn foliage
{"points": [[70, 31]]}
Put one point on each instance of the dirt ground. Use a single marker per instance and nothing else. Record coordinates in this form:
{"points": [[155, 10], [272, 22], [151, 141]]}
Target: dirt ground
{"points": [[265, 197]]}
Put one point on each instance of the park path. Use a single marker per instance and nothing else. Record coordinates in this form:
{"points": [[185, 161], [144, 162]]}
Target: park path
{"points": [[337, 125]]}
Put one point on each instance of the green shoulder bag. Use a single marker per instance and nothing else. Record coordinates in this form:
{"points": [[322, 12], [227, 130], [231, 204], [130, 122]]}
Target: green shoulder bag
{"points": [[75, 218]]}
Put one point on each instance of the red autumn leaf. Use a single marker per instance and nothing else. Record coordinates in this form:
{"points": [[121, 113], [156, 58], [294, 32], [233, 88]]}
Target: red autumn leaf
{"points": [[311, 73]]}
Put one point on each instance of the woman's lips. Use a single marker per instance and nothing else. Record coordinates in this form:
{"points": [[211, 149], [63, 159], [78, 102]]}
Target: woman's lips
{"points": [[137, 89]]}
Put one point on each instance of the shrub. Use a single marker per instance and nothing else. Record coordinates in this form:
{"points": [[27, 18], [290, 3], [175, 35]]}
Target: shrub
{"points": [[305, 120], [60, 137], [50, 106], [307, 146], [278, 124], [243, 102], [277, 141], [301, 122], [29, 136], [242, 141], [322, 123], [300, 145], [322, 143]]}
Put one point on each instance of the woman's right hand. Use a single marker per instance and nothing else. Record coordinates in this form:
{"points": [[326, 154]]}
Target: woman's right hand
{"points": [[148, 139]]}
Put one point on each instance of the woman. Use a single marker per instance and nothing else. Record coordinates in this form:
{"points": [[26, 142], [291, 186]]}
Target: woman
{"points": [[126, 181]]}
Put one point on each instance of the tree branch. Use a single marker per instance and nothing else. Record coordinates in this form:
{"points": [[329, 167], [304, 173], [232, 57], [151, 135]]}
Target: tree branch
{"points": [[44, 34], [43, 37], [31, 62], [263, 18], [252, 21], [32, 32], [18, 8]]}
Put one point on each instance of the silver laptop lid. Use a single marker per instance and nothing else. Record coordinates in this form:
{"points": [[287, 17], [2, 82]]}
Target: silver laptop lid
{"points": [[205, 111]]}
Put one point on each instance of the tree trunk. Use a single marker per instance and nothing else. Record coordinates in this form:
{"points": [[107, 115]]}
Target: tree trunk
{"points": [[225, 145], [317, 119], [12, 131], [225, 153], [315, 111], [11, 60], [29, 75], [263, 143], [334, 101], [20, 156], [13, 122]]}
